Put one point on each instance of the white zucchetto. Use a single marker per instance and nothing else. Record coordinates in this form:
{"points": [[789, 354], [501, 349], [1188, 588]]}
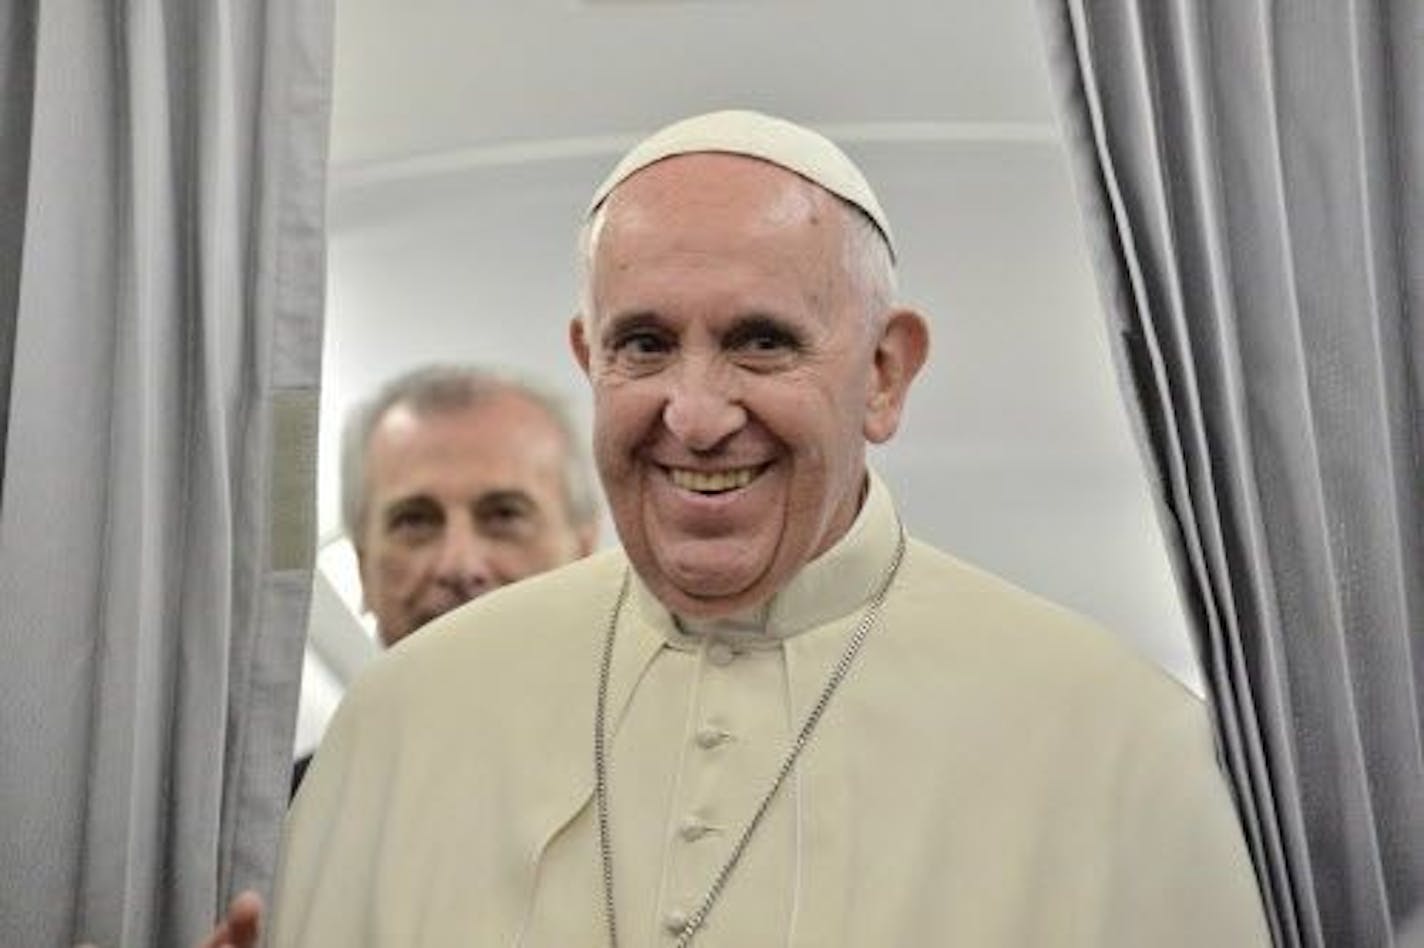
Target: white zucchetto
{"points": [[740, 132]]}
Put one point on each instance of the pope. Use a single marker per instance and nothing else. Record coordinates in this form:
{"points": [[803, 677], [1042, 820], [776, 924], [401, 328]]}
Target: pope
{"points": [[771, 717]]}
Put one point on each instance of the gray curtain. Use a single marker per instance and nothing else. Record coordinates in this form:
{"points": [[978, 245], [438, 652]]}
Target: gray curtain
{"points": [[1252, 176], [162, 169]]}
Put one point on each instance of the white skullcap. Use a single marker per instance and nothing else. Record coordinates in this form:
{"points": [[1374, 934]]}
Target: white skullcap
{"points": [[739, 132]]}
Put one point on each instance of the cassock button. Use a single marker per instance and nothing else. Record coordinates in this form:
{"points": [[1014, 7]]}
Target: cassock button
{"points": [[675, 922], [710, 737], [720, 653]]}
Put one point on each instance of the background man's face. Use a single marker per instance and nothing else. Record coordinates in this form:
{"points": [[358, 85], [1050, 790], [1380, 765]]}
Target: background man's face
{"points": [[459, 502], [733, 374]]}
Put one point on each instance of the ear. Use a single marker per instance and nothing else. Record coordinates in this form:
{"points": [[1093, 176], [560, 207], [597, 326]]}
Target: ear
{"points": [[578, 341], [904, 343]]}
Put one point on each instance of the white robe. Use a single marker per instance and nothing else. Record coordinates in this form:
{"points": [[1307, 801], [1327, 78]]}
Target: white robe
{"points": [[994, 771]]}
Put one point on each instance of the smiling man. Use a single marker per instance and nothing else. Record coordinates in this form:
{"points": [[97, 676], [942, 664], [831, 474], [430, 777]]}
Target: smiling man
{"points": [[739, 366], [770, 718]]}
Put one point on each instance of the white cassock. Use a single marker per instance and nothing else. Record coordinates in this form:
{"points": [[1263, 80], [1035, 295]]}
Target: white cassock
{"points": [[994, 771]]}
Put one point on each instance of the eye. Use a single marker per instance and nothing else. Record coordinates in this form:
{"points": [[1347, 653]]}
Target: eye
{"points": [[767, 342], [643, 342], [764, 340], [505, 515], [640, 346], [412, 522]]}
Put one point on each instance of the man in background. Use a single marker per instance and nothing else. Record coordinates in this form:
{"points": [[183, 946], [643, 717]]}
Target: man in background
{"points": [[456, 480]]}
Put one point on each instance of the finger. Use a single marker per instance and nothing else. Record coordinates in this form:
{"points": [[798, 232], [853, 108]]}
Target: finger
{"points": [[244, 917]]}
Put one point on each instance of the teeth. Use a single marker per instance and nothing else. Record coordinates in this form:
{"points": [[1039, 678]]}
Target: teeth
{"points": [[712, 482]]}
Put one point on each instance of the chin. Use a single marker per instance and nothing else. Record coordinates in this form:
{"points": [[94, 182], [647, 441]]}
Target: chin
{"points": [[707, 600], [714, 583]]}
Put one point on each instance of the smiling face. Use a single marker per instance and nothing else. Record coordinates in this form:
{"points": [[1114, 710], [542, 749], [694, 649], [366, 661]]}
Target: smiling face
{"points": [[737, 375], [460, 501]]}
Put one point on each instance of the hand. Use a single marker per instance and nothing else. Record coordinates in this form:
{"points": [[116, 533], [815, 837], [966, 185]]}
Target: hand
{"points": [[240, 928]]}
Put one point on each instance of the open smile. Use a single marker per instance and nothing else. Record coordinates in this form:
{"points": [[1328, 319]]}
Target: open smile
{"points": [[714, 482]]}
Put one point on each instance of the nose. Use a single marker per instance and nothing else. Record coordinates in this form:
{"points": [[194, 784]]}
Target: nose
{"points": [[463, 565], [703, 407]]}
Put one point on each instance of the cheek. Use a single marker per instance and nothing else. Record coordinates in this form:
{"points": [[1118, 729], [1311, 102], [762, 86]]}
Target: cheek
{"points": [[817, 422], [398, 570], [534, 559], [625, 415]]}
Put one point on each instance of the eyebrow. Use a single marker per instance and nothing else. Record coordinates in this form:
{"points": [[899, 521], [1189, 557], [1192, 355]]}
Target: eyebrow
{"points": [[625, 322], [398, 505], [415, 497], [424, 499], [504, 496]]}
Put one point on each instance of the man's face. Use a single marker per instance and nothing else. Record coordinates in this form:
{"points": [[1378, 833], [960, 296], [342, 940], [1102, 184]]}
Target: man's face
{"points": [[736, 377], [459, 502]]}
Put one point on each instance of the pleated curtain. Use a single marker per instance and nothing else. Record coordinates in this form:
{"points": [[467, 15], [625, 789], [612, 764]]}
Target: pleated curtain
{"points": [[162, 181], [1252, 180]]}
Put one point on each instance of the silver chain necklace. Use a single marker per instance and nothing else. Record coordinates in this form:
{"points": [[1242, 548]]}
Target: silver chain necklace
{"points": [[803, 737]]}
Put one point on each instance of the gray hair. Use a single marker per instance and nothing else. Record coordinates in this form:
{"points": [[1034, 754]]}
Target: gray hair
{"points": [[868, 260], [449, 387]]}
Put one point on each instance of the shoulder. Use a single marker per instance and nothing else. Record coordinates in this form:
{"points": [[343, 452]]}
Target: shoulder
{"points": [[1030, 644]]}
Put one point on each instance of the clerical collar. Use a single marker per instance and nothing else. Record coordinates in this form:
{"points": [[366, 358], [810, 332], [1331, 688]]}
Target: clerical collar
{"points": [[837, 582]]}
